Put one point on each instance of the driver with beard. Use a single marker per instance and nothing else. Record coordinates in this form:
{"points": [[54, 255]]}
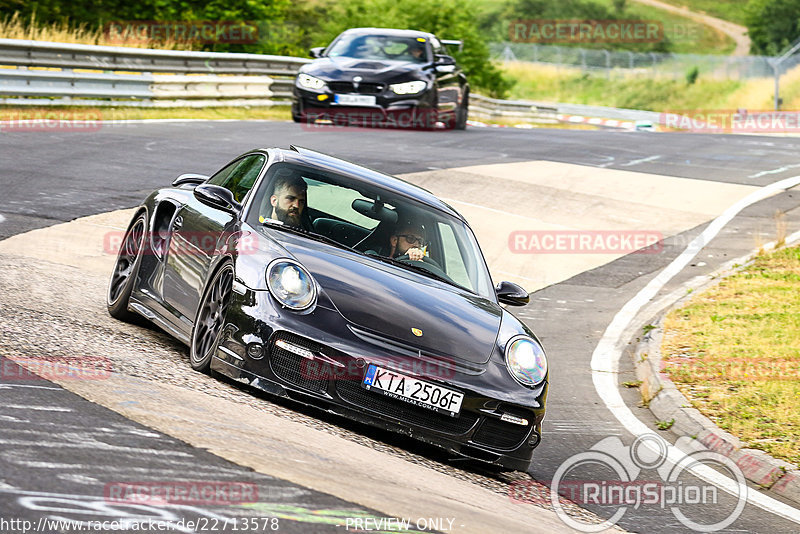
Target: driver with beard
{"points": [[288, 200]]}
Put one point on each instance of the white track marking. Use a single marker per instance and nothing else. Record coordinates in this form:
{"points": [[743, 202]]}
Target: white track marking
{"points": [[638, 161], [774, 171], [605, 359], [38, 408], [2, 218]]}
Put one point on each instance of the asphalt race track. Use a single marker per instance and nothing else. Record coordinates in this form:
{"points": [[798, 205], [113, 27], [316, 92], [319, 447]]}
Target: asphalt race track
{"points": [[54, 177]]}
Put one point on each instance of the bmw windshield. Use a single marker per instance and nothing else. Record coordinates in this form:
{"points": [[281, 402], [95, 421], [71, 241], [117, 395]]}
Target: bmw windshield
{"points": [[380, 48]]}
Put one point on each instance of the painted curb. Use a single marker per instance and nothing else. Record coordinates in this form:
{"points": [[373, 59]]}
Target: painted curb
{"points": [[667, 403]]}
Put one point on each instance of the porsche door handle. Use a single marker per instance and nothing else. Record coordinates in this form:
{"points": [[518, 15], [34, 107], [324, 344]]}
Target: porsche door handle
{"points": [[178, 222]]}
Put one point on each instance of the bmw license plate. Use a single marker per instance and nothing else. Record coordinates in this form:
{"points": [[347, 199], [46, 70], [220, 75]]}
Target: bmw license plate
{"points": [[354, 100], [413, 391]]}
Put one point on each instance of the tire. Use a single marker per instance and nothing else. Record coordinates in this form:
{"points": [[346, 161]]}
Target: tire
{"points": [[463, 113], [126, 269], [210, 319]]}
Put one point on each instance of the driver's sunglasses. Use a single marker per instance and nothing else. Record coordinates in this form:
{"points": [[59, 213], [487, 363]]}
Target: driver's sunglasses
{"points": [[412, 239]]}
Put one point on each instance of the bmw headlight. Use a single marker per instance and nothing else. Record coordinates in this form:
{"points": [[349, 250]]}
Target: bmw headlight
{"points": [[291, 284], [408, 88], [526, 360], [310, 82]]}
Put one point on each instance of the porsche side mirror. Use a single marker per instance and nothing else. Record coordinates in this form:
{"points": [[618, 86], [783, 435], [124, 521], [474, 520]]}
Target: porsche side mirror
{"points": [[217, 197], [316, 52], [189, 178], [512, 294]]}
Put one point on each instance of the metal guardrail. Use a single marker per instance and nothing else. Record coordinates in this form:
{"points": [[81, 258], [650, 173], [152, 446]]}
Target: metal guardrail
{"points": [[45, 73], [117, 58]]}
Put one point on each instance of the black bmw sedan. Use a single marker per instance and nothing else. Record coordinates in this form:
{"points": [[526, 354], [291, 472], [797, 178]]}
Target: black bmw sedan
{"points": [[377, 76], [343, 288]]}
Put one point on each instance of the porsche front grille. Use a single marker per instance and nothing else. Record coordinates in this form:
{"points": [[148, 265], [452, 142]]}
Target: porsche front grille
{"points": [[352, 392]]}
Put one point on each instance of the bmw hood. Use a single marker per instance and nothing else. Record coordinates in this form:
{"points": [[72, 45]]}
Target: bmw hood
{"points": [[393, 302], [370, 70]]}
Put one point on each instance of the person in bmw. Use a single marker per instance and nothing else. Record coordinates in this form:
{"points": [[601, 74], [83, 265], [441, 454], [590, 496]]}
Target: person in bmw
{"points": [[378, 76]]}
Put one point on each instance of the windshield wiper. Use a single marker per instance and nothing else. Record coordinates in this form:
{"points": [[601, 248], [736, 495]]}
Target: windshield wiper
{"points": [[416, 268], [273, 223]]}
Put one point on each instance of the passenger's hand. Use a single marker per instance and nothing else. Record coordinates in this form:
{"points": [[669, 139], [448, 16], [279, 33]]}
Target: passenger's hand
{"points": [[415, 254]]}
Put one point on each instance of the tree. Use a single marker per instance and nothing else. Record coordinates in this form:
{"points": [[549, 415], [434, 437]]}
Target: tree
{"points": [[772, 25]]}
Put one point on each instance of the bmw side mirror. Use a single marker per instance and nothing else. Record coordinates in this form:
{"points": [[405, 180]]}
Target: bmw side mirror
{"points": [[443, 60], [217, 197], [512, 294], [316, 52]]}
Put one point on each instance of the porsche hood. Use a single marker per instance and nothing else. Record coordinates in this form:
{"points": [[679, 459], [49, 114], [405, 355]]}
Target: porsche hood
{"points": [[402, 305]]}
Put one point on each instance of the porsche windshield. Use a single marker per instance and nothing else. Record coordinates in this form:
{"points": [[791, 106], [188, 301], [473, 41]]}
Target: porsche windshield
{"points": [[380, 47], [372, 221]]}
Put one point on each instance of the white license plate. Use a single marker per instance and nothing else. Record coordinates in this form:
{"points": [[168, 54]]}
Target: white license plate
{"points": [[354, 100], [413, 391]]}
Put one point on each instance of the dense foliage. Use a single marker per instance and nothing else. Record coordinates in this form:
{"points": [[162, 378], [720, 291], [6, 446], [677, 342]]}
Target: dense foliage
{"points": [[772, 25]]}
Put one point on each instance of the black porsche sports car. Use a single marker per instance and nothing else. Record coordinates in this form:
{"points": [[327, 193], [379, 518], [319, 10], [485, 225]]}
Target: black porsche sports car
{"points": [[378, 76], [343, 288]]}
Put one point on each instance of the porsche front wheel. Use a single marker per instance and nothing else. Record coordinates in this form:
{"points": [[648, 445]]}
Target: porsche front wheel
{"points": [[210, 319]]}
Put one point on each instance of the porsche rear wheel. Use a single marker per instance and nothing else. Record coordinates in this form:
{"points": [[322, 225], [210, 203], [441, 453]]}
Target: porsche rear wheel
{"points": [[126, 269], [210, 319]]}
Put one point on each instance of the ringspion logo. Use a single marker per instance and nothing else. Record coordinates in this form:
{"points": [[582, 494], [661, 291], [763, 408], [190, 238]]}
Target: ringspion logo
{"points": [[617, 478]]}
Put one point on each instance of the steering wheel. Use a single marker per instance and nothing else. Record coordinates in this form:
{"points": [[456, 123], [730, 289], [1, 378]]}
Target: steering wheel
{"points": [[425, 259], [427, 264]]}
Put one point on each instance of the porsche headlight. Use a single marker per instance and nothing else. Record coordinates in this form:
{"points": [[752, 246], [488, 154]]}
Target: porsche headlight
{"points": [[526, 360], [310, 82], [291, 284], [408, 88]]}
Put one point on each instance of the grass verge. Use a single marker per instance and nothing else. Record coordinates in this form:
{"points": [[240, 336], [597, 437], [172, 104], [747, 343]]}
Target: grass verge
{"points": [[548, 83], [734, 351]]}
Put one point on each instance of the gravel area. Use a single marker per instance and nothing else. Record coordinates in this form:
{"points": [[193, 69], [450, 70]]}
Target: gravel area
{"points": [[51, 311]]}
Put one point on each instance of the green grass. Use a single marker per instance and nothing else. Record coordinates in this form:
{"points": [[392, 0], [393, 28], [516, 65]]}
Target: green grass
{"points": [[547, 83], [732, 10], [686, 36], [734, 351]]}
